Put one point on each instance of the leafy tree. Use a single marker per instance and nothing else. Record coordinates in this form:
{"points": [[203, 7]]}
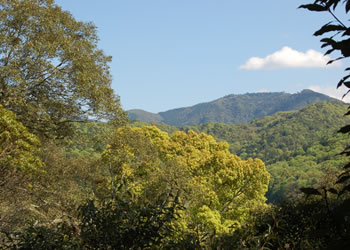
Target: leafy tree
{"points": [[51, 71], [217, 188]]}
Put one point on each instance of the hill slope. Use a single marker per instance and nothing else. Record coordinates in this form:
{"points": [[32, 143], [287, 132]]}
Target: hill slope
{"points": [[297, 146], [233, 109]]}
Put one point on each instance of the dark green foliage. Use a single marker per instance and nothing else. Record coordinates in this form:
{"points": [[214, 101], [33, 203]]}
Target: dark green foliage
{"points": [[233, 108], [88, 139], [60, 236], [115, 224], [120, 225], [298, 225]]}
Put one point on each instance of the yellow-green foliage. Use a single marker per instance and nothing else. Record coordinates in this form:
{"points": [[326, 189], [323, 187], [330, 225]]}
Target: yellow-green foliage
{"points": [[218, 189], [18, 148]]}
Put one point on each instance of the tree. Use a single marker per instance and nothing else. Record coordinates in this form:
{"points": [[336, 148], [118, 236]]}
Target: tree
{"points": [[339, 41], [51, 71], [218, 189]]}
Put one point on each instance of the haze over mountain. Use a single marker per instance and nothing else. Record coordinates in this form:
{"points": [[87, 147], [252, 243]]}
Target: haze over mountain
{"points": [[233, 108]]}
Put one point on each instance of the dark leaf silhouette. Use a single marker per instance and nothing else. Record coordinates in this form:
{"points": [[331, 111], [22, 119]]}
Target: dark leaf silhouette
{"points": [[332, 61], [347, 6], [328, 42], [346, 94], [313, 7], [342, 80], [329, 52], [328, 28]]}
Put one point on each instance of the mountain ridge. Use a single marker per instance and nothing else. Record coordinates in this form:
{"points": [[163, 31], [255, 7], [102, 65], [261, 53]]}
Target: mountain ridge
{"points": [[233, 108]]}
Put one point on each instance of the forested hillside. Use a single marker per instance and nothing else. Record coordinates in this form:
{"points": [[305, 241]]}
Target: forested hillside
{"points": [[298, 147], [233, 108]]}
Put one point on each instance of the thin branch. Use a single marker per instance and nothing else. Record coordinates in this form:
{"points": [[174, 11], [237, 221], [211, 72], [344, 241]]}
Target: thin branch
{"points": [[336, 18]]}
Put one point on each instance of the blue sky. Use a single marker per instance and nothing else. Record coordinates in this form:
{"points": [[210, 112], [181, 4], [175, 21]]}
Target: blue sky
{"points": [[175, 53]]}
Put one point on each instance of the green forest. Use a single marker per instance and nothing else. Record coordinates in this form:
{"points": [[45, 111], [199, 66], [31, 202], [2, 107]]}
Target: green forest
{"points": [[77, 174]]}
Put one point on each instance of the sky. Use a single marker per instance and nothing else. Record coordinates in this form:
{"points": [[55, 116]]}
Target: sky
{"points": [[176, 53]]}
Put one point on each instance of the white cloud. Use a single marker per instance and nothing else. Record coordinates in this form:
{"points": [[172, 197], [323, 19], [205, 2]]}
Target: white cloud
{"points": [[289, 58], [332, 91]]}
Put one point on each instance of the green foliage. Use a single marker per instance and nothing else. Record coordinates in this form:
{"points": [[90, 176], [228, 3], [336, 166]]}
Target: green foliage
{"points": [[233, 108], [59, 236], [18, 148], [51, 71], [121, 223], [297, 146], [19, 163], [298, 225], [217, 188]]}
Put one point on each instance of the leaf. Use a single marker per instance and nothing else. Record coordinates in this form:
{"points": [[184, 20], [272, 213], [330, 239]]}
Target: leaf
{"points": [[343, 179], [332, 61], [310, 191], [347, 84], [347, 6], [329, 3], [328, 28], [328, 40], [313, 7], [345, 94], [342, 80], [329, 51]]}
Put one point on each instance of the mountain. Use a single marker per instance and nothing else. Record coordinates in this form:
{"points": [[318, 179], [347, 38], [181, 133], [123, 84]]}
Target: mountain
{"points": [[141, 115], [233, 109]]}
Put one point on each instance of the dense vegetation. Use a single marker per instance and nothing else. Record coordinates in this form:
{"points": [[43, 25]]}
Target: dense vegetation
{"points": [[67, 183], [298, 147], [233, 108]]}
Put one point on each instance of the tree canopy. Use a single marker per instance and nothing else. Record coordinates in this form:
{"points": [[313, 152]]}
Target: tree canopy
{"points": [[51, 71], [217, 188]]}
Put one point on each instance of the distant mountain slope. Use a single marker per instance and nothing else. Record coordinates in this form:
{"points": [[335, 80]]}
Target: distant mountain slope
{"points": [[233, 108], [144, 116]]}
